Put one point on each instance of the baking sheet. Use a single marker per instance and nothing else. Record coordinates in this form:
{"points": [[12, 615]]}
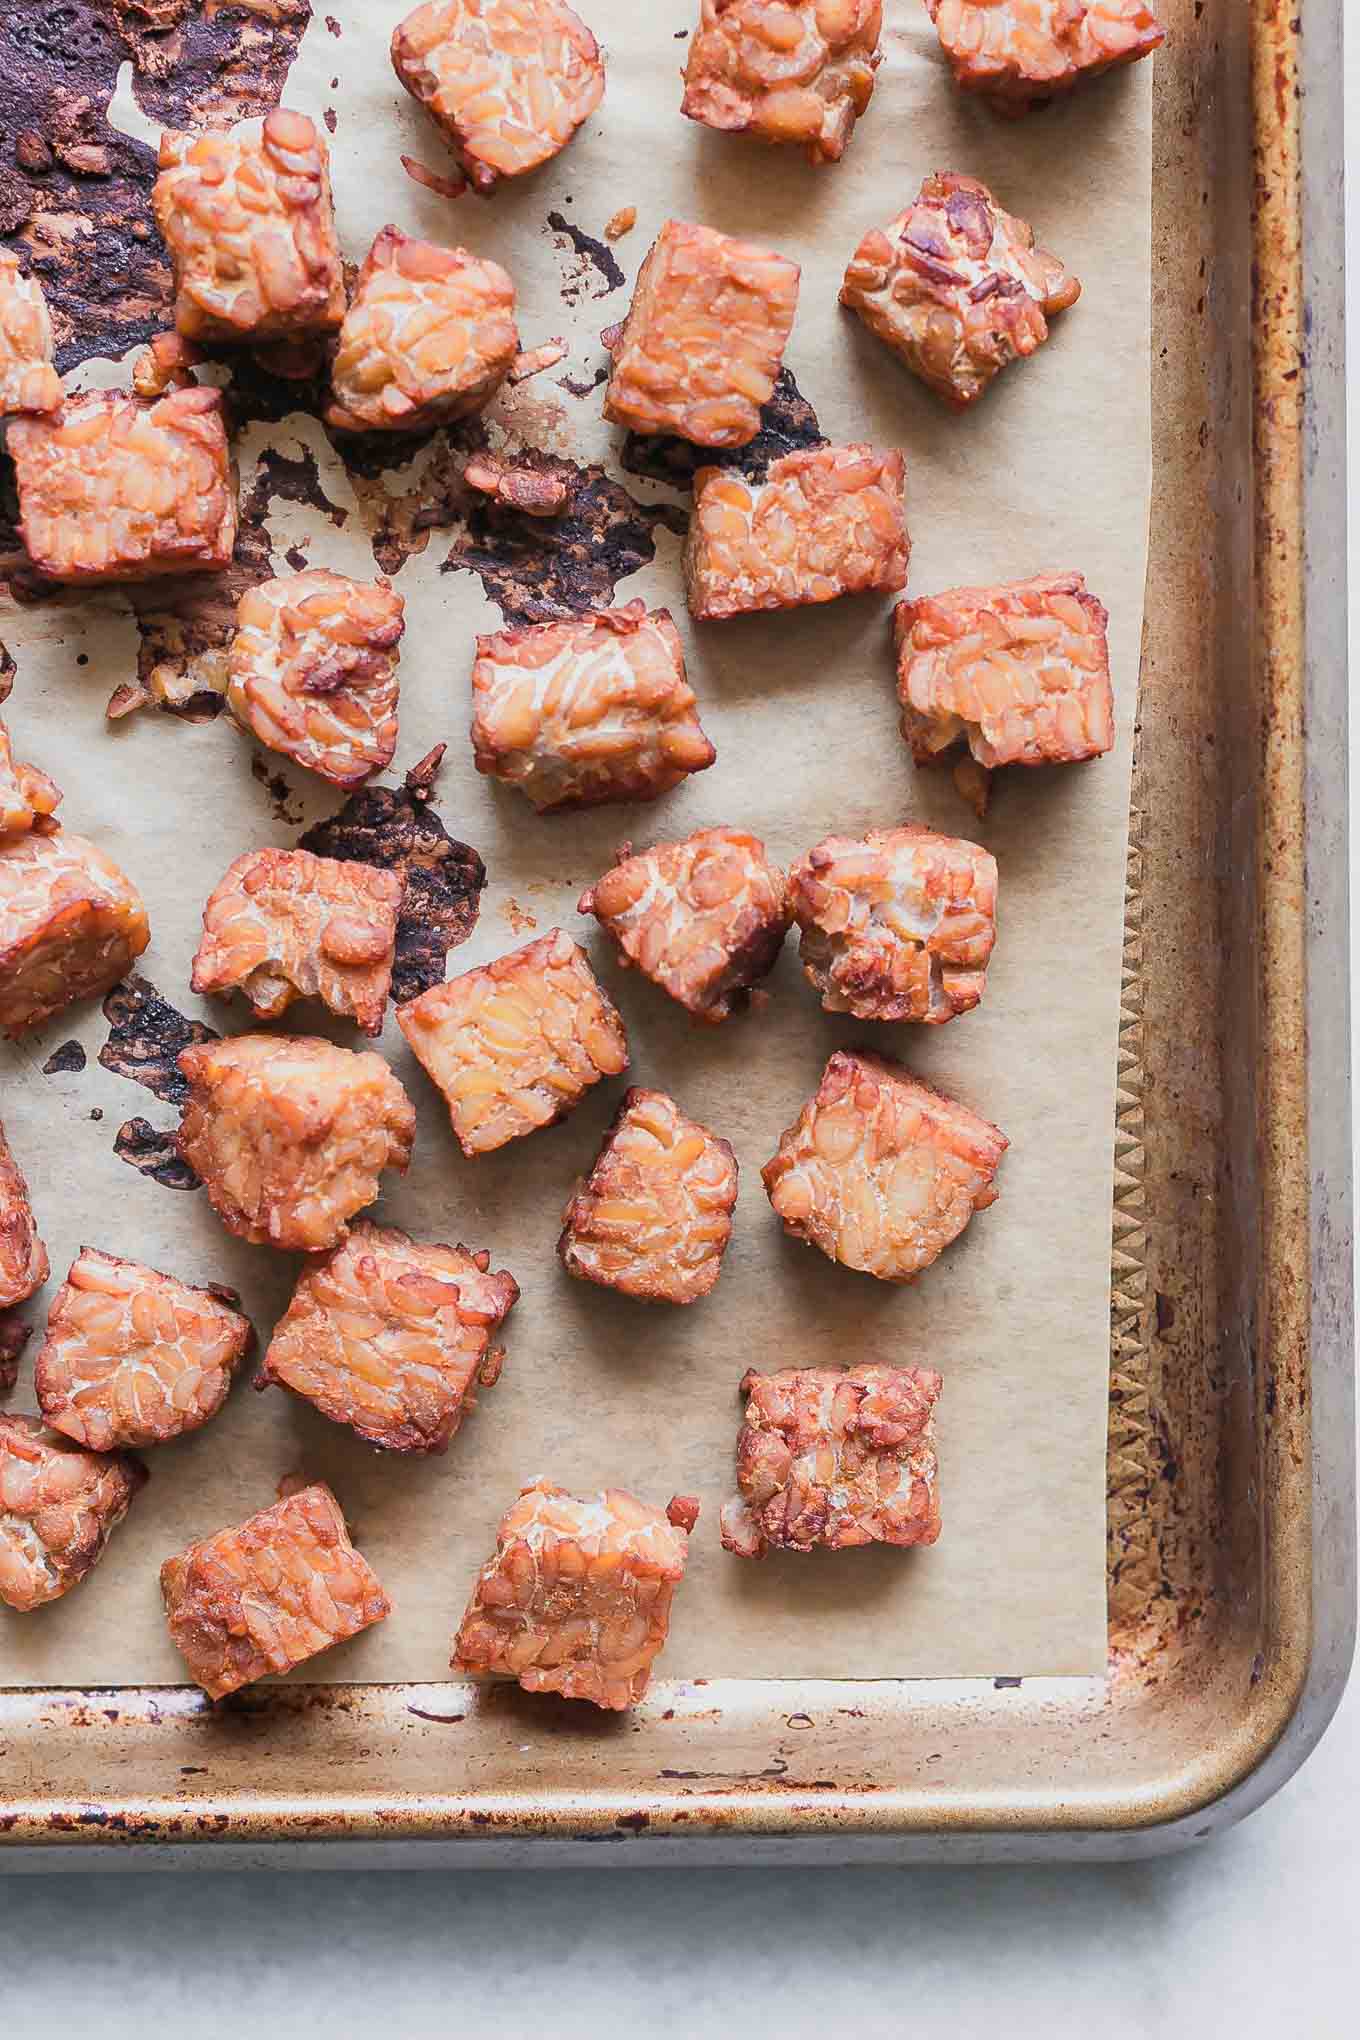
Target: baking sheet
{"points": [[1050, 471]]}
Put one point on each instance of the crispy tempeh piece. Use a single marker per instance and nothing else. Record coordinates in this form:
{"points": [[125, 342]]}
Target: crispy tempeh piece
{"points": [[576, 1598], [24, 1265], [835, 1458], [956, 287], [291, 1134], [270, 1593], [506, 82], [118, 490], [284, 924], [700, 349], [1018, 53], [1018, 672], [797, 71], [654, 1216], [58, 1507], [515, 1044], [594, 708], [29, 385], [429, 336], [71, 924], [312, 671], [250, 227], [703, 918], [391, 1335], [880, 1171], [133, 1357], [28, 798], [897, 924], [821, 524]]}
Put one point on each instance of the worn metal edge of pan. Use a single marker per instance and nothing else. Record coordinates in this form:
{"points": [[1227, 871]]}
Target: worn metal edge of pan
{"points": [[763, 1806]]}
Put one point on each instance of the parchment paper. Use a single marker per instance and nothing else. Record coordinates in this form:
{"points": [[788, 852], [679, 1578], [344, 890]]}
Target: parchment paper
{"points": [[1049, 471]]}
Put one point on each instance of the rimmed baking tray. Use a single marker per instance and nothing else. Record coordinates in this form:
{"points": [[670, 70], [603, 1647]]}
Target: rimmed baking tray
{"points": [[1231, 1459]]}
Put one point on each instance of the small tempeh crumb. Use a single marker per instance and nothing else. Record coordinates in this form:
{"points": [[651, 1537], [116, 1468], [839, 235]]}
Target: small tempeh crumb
{"points": [[312, 671], [71, 925], [284, 924], [821, 524], [250, 227], [880, 1171], [956, 287], [704, 918], [506, 82], [269, 1594], [592, 709], [704, 338], [1019, 672], [785, 70], [515, 1044], [24, 1265], [897, 924], [1019, 53], [391, 1335], [58, 1507], [29, 385], [28, 798], [833, 1459], [576, 1598], [133, 1357], [291, 1134], [429, 337], [654, 1217]]}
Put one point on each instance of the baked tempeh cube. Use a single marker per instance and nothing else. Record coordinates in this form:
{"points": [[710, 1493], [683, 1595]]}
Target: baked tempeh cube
{"points": [[250, 227], [1018, 53], [957, 287], [291, 1134], [270, 1593], [820, 524], [577, 1597], [71, 924], [897, 924], [312, 671], [700, 349], [785, 70], [515, 1044], [703, 918], [58, 1507], [507, 82], [654, 1216], [29, 385], [594, 708], [24, 1265], [880, 1171], [28, 798], [1018, 672], [429, 336], [133, 1357], [284, 924], [834, 1458], [117, 490], [390, 1335]]}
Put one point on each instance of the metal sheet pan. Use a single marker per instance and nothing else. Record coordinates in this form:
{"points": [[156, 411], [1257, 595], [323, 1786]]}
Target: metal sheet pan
{"points": [[1231, 1471]]}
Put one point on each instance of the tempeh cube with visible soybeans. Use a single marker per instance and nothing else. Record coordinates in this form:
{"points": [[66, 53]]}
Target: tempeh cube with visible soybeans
{"points": [[587, 710], [59, 1505], [654, 1217], [576, 1598], [71, 925], [29, 384], [24, 1265], [391, 1336], [880, 1171], [1019, 53], [797, 71], [515, 1044]]}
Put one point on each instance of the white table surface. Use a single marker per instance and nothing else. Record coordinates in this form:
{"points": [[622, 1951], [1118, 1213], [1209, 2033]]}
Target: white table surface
{"points": [[1257, 1933]]}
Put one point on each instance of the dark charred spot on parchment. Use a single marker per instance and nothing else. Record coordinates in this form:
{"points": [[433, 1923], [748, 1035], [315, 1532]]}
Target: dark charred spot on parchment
{"points": [[146, 1038], [154, 1152], [538, 568], [282, 796], [398, 829], [594, 262], [7, 672], [574, 387], [70, 1056], [198, 66], [788, 424], [14, 1336]]}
